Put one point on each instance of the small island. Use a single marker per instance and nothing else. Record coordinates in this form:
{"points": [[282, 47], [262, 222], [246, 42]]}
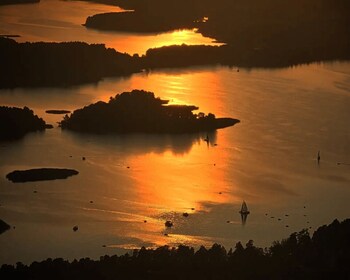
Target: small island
{"points": [[12, 2], [16, 122], [140, 111], [57, 112], [40, 174], [4, 226]]}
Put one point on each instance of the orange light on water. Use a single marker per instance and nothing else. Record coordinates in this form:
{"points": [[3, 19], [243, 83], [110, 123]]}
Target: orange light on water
{"points": [[178, 184]]}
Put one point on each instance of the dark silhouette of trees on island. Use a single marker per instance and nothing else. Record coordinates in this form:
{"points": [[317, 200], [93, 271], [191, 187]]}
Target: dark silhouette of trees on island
{"points": [[138, 22], [16, 122], [325, 255], [140, 111], [59, 64]]}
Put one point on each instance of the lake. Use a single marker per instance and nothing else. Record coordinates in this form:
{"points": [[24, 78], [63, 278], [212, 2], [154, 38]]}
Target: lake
{"points": [[129, 185]]}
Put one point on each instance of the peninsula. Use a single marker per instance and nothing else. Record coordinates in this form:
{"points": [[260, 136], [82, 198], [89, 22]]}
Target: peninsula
{"points": [[140, 111], [16, 122], [65, 64], [283, 33]]}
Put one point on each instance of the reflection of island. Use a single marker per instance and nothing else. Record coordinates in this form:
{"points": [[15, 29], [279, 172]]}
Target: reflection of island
{"points": [[324, 255], [140, 112], [40, 174], [16, 122], [143, 143]]}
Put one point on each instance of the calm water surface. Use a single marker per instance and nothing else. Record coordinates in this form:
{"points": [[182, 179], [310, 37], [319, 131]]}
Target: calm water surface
{"points": [[268, 160]]}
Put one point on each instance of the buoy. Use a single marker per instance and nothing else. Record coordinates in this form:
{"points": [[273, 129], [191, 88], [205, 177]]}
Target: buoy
{"points": [[168, 224]]}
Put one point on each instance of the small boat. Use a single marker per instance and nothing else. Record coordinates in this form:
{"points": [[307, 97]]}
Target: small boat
{"points": [[244, 209]]}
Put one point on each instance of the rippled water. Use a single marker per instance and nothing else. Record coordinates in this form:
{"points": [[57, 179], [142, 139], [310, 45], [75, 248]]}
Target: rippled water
{"points": [[268, 160]]}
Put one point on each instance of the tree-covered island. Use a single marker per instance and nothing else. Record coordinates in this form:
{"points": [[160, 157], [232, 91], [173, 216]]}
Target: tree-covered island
{"points": [[16, 122], [140, 111]]}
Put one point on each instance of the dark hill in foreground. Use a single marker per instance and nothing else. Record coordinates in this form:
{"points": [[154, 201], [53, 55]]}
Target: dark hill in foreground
{"points": [[325, 255], [141, 112], [16, 122]]}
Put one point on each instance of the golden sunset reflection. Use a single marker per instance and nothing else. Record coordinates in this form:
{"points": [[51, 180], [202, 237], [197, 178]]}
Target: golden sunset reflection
{"points": [[160, 182], [179, 88]]}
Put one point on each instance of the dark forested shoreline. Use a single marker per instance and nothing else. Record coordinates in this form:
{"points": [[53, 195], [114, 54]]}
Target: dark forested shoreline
{"points": [[141, 112], [73, 63], [325, 255]]}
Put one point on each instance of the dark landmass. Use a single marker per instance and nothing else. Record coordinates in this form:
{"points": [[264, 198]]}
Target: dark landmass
{"points": [[106, 2], [258, 33], [141, 112], [58, 112], [16, 122], [59, 64], [4, 226], [325, 255], [10, 35], [131, 21], [73, 63], [11, 2], [40, 174], [179, 56]]}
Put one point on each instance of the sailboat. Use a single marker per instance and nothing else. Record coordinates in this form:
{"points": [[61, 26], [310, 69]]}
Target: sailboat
{"points": [[244, 209], [244, 213]]}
